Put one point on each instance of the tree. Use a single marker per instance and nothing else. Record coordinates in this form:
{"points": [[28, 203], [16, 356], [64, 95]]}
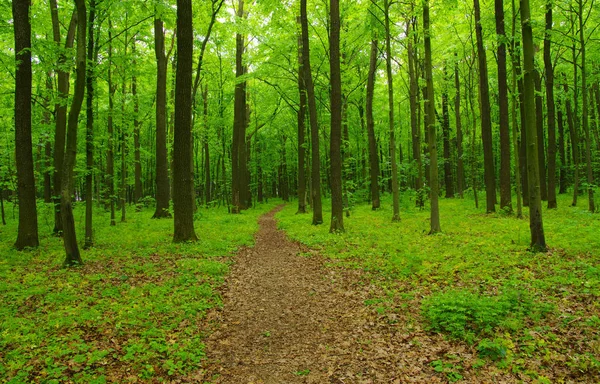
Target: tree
{"points": [[536, 225], [183, 200], [373, 158], [301, 131], [92, 57], [550, 108], [28, 226], [162, 163], [390, 82], [486, 118], [66, 208], [337, 204], [238, 151], [505, 187], [431, 127], [314, 123]]}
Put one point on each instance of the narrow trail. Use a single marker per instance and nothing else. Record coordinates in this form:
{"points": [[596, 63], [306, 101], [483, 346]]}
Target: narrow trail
{"points": [[288, 319]]}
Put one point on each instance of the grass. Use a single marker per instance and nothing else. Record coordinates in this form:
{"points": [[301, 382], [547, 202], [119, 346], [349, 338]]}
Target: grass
{"points": [[476, 282], [136, 308]]}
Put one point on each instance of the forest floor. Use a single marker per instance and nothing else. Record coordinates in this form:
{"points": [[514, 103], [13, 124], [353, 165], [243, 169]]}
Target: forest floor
{"points": [[289, 316]]}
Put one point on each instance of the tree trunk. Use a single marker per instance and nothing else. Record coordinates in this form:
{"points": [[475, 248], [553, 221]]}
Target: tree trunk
{"points": [[562, 179], [550, 109], [505, 187], [206, 149], [66, 209], [539, 123], [301, 132], [393, 159], [486, 120], [515, 105], [430, 122], [538, 240], [89, 142], [448, 178], [238, 155], [373, 158], [138, 193], [584, 112], [162, 163], [314, 123], [183, 200], [27, 235], [460, 173], [60, 109], [574, 135], [337, 204], [110, 159]]}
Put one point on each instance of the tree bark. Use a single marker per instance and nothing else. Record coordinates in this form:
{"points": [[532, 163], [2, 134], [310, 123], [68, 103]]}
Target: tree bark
{"points": [[110, 154], [314, 122], [138, 193], [430, 123], [89, 142], [337, 204], [536, 226], [505, 187], [66, 209], [584, 112], [27, 235], [60, 109], [550, 109], [539, 123], [448, 177], [183, 199], [460, 172], [162, 163], [486, 120], [301, 132], [393, 159], [373, 157]]}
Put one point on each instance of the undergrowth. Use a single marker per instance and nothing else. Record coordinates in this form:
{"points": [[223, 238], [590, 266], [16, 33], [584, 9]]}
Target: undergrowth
{"points": [[134, 311]]}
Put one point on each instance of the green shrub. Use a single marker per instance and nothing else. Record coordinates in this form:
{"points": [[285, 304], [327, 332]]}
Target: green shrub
{"points": [[464, 315]]}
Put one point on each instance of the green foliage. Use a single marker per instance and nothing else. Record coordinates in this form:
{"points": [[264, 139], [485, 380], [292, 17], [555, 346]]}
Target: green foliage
{"points": [[135, 309], [464, 314]]}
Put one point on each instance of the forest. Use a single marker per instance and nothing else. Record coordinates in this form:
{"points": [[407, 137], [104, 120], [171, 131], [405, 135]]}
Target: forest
{"points": [[365, 191]]}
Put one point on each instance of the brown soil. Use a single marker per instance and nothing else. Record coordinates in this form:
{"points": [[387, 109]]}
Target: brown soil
{"points": [[289, 318]]}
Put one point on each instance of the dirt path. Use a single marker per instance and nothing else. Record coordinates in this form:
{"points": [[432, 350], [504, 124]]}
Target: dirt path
{"points": [[288, 319]]}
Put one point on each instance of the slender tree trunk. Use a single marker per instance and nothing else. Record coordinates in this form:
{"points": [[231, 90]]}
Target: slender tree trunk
{"points": [[505, 186], [337, 204], [66, 209], [138, 189], [207, 178], [123, 186], [47, 143], [373, 158], [550, 109], [584, 113], [538, 240], [183, 200], [460, 176], [562, 179], [27, 235], [239, 124], [430, 122], [515, 142], [110, 159], [574, 135], [89, 142], [301, 132], [415, 116], [314, 123], [393, 159], [539, 123], [448, 177], [486, 120], [162, 163], [60, 109]]}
